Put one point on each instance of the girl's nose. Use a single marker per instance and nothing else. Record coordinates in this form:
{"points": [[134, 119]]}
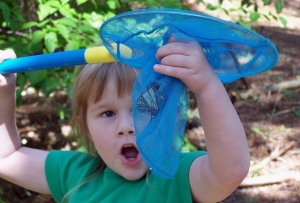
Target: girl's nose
{"points": [[126, 126], [124, 132]]}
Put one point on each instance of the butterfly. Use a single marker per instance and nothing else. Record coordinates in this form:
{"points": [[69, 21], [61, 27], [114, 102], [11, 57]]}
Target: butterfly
{"points": [[148, 101]]}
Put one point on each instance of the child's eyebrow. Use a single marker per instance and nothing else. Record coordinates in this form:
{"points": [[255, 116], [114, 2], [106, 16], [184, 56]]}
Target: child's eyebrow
{"points": [[100, 104]]}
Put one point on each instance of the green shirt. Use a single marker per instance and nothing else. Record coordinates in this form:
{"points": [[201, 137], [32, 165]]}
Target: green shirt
{"points": [[66, 169]]}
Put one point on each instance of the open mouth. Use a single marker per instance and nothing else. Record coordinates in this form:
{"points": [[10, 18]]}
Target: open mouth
{"points": [[130, 152]]}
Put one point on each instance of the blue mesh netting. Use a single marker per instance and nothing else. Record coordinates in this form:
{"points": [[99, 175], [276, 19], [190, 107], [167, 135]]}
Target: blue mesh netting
{"points": [[160, 102]]}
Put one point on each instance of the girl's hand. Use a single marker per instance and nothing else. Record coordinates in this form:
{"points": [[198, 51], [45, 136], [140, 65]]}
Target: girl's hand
{"points": [[7, 54], [7, 82], [186, 61]]}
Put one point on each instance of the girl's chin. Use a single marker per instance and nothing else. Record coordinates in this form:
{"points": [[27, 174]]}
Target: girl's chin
{"points": [[133, 175]]}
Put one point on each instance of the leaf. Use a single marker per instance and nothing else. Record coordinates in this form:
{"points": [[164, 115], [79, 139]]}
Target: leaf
{"points": [[95, 4], [94, 19], [171, 4], [283, 21], [65, 11], [35, 48], [79, 2], [255, 7], [67, 22], [212, 7], [43, 23], [256, 130], [44, 11], [226, 11], [71, 46], [272, 15], [35, 77], [55, 4], [267, 2], [21, 80], [5, 11], [76, 37], [63, 31], [254, 16], [17, 15], [267, 17], [278, 7], [63, 2], [28, 25], [49, 85], [87, 29], [152, 4], [233, 9], [111, 4], [244, 10], [61, 114], [51, 41], [37, 36], [245, 2]]}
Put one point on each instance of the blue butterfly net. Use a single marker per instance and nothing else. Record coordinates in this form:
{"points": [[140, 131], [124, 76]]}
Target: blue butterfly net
{"points": [[160, 102]]}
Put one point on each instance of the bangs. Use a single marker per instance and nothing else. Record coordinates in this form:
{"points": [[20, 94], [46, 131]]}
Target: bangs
{"points": [[123, 75]]}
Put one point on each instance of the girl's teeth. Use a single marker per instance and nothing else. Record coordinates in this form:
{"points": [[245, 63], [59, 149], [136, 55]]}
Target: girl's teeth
{"points": [[131, 159]]}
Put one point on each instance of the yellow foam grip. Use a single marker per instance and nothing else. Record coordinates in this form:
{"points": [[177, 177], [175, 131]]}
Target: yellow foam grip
{"points": [[101, 55]]}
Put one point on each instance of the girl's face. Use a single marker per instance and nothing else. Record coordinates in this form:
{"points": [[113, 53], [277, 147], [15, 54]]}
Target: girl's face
{"points": [[111, 128]]}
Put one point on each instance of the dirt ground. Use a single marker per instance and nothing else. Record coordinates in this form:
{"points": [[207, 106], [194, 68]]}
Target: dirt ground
{"points": [[271, 120]]}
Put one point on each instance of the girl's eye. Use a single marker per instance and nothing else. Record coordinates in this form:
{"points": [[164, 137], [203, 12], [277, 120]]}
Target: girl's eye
{"points": [[107, 114]]}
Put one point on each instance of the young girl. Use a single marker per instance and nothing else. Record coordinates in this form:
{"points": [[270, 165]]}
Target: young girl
{"points": [[114, 170]]}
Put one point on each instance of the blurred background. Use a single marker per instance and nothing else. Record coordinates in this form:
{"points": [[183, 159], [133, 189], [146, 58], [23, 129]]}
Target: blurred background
{"points": [[268, 104]]}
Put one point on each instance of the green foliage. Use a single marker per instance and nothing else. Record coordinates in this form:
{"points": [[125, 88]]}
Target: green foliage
{"points": [[60, 25], [45, 26], [251, 10]]}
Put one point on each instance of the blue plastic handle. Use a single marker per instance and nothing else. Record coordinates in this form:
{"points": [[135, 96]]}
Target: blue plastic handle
{"points": [[44, 61]]}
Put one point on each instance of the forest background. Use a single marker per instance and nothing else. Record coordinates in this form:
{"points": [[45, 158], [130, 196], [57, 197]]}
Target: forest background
{"points": [[268, 104]]}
